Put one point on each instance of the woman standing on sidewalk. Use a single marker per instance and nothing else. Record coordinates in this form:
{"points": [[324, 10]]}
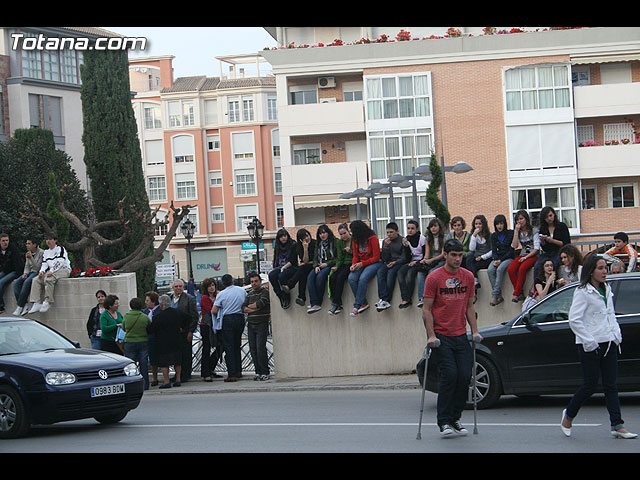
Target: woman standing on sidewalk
{"points": [[592, 319]]}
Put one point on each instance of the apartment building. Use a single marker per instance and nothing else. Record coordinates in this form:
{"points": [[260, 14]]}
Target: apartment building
{"points": [[40, 85], [212, 143], [543, 116]]}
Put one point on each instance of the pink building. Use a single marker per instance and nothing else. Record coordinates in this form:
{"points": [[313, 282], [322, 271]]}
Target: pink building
{"points": [[210, 142]]}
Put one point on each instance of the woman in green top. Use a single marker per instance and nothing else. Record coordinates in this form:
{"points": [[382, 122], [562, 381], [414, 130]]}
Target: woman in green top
{"points": [[340, 271], [136, 345], [110, 320]]}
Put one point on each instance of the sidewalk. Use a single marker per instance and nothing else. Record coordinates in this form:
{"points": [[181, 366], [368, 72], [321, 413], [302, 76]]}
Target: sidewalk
{"points": [[248, 384]]}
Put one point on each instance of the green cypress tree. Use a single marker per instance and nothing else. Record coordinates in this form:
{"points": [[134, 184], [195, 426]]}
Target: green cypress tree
{"points": [[112, 151], [433, 200]]}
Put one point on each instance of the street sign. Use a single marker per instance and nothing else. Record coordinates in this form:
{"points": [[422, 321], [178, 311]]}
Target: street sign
{"points": [[165, 270]]}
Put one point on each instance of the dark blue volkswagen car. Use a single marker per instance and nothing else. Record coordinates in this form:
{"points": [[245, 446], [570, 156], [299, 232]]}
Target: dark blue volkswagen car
{"points": [[45, 378]]}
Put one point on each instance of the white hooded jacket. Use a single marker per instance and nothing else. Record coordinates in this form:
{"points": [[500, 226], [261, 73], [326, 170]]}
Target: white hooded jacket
{"points": [[591, 320]]}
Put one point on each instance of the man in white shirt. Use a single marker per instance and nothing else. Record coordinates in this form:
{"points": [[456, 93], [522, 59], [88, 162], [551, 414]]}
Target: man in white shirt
{"points": [[55, 265]]}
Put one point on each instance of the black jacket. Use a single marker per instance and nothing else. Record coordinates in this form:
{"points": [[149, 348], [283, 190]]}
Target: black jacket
{"points": [[12, 260], [502, 251]]}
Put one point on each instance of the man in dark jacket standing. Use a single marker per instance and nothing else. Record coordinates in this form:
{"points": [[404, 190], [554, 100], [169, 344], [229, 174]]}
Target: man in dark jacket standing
{"points": [[11, 265], [186, 304], [258, 311]]}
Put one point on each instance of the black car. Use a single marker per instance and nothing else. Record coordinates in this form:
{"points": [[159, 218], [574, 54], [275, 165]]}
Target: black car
{"points": [[45, 378], [535, 353]]}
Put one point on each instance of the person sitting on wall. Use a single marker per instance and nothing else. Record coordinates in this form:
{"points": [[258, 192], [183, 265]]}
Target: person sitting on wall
{"points": [[22, 285], [11, 265], [306, 249], [415, 242], [393, 255], [55, 265]]}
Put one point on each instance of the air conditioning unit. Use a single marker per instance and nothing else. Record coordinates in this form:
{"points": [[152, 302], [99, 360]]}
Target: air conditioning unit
{"points": [[328, 100], [326, 82]]}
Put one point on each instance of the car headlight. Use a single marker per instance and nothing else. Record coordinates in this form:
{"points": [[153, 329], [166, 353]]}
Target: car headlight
{"points": [[131, 370], [60, 378]]}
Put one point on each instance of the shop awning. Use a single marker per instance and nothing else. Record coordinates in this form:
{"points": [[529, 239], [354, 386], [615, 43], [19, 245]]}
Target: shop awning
{"points": [[326, 200], [580, 60]]}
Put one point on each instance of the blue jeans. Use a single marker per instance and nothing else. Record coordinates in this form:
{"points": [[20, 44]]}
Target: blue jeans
{"points": [[454, 358], [5, 280], [232, 328], [422, 278], [595, 364], [386, 280], [496, 274], [139, 352], [278, 277], [316, 283], [359, 282], [22, 288]]}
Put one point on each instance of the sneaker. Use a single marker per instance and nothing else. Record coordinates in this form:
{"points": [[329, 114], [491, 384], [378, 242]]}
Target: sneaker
{"points": [[382, 305], [17, 311], [458, 428], [313, 309], [404, 305], [335, 309], [363, 308], [446, 430], [338, 309], [285, 289], [35, 308], [45, 307], [354, 312], [26, 309], [301, 301], [420, 303], [256, 378], [263, 378]]}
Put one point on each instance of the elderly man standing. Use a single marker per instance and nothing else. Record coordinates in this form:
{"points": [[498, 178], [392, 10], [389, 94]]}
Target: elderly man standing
{"points": [[228, 306], [55, 265], [185, 303], [10, 265]]}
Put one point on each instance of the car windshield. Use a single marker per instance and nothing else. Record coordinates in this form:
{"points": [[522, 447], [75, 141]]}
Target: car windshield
{"points": [[24, 336]]}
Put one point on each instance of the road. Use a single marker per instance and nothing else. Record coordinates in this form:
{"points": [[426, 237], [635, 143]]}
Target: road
{"points": [[382, 421]]}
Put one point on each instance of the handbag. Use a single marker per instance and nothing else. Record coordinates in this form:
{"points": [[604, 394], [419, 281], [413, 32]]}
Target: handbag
{"points": [[531, 299]]}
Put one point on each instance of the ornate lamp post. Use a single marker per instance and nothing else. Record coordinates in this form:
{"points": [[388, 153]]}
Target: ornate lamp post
{"points": [[188, 229], [256, 232]]}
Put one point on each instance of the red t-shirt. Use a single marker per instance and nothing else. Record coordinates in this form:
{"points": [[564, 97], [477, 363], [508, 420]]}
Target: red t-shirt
{"points": [[451, 293]]}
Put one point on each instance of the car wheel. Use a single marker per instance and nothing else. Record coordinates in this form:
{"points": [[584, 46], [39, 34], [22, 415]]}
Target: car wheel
{"points": [[14, 422], [110, 419], [488, 384]]}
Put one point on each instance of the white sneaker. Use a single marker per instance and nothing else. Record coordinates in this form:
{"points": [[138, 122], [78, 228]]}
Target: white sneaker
{"points": [[45, 307], [446, 430], [313, 309], [382, 305], [35, 308], [17, 311], [25, 310]]}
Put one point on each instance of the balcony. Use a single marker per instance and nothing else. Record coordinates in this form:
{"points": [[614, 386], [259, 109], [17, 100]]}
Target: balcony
{"points": [[321, 118], [327, 178], [609, 161], [606, 100]]}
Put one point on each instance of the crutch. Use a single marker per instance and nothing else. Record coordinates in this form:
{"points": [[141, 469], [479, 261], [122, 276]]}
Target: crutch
{"points": [[476, 339], [425, 355]]}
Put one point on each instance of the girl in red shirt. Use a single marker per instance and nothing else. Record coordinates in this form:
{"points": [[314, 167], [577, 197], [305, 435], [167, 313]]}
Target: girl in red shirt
{"points": [[366, 255]]}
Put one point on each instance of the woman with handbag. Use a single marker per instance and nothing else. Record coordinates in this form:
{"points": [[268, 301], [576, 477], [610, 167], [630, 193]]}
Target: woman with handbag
{"points": [[136, 342], [593, 320], [110, 321]]}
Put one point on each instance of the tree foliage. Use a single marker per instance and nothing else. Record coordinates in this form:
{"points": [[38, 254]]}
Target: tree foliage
{"points": [[433, 200]]}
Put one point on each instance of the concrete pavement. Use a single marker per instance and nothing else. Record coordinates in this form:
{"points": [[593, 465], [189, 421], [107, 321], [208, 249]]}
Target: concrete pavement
{"points": [[274, 384]]}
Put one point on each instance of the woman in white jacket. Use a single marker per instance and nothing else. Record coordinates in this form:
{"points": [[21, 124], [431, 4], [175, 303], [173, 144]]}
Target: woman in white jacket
{"points": [[593, 321]]}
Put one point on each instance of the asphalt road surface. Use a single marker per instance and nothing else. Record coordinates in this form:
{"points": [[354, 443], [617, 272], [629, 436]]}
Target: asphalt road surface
{"points": [[366, 421]]}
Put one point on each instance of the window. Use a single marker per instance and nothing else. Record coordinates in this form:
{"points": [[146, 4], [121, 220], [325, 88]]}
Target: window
{"points": [[553, 309], [398, 97], [589, 197], [174, 114], [621, 196], [279, 215], [234, 111], [626, 297], [154, 152], [215, 178], [272, 109], [403, 206], [46, 112], [277, 177], [213, 142], [618, 132], [152, 115], [306, 155], [537, 87], [217, 214], [585, 134], [157, 189], [303, 95], [211, 112], [181, 113], [185, 186], [247, 109], [245, 182], [562, 199], [392, 151], [188, 116], [580, 75], [51, 65], [183, 149], [352, 91], [244, 215]]}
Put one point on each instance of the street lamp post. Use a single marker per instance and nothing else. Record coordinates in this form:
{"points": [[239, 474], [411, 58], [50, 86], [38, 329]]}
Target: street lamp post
{"points": [[256, 232], [188, 229]]}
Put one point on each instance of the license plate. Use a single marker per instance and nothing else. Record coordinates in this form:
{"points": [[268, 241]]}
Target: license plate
{"points": [[107, 390]]}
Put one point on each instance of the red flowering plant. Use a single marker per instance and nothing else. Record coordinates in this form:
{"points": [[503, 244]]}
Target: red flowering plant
{"points": [[403, 36], [93, 272], [336, 42], [453, 32]]}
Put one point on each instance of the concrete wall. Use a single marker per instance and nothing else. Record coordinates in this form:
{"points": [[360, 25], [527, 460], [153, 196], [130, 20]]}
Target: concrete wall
{"points": [[74, 299], [389, 342]]}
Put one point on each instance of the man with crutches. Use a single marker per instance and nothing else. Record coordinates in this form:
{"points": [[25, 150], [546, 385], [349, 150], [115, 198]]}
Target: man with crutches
{"points": [[448, 306]]}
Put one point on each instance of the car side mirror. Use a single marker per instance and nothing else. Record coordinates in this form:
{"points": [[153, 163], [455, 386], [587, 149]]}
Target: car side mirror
{"points": [[76, 344]]}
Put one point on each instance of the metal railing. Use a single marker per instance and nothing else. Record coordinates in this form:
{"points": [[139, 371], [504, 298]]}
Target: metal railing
{"points": [[587, 246]]}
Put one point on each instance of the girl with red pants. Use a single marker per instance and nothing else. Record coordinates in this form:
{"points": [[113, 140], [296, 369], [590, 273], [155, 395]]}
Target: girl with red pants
{"points": [[529, 240]]}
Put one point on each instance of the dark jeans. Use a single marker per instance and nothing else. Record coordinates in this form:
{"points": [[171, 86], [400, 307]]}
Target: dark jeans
{"points": [[277, 277], [386, 280], [257, 333], [186, 357], [300, 277], [211, 351], [232, 328], [336, 283], [139, 352], [22, 288], [474, 265], [454, 358], [595, 364], [317, 283], [407, 280], [5, 280]]}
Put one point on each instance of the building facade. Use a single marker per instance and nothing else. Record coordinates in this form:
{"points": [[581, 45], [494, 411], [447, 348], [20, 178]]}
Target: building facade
{"points": [[545, 117], [212, 143]]}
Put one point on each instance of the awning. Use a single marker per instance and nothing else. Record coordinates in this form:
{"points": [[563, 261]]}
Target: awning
{"points": [[580, 60], [327, 200]]}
